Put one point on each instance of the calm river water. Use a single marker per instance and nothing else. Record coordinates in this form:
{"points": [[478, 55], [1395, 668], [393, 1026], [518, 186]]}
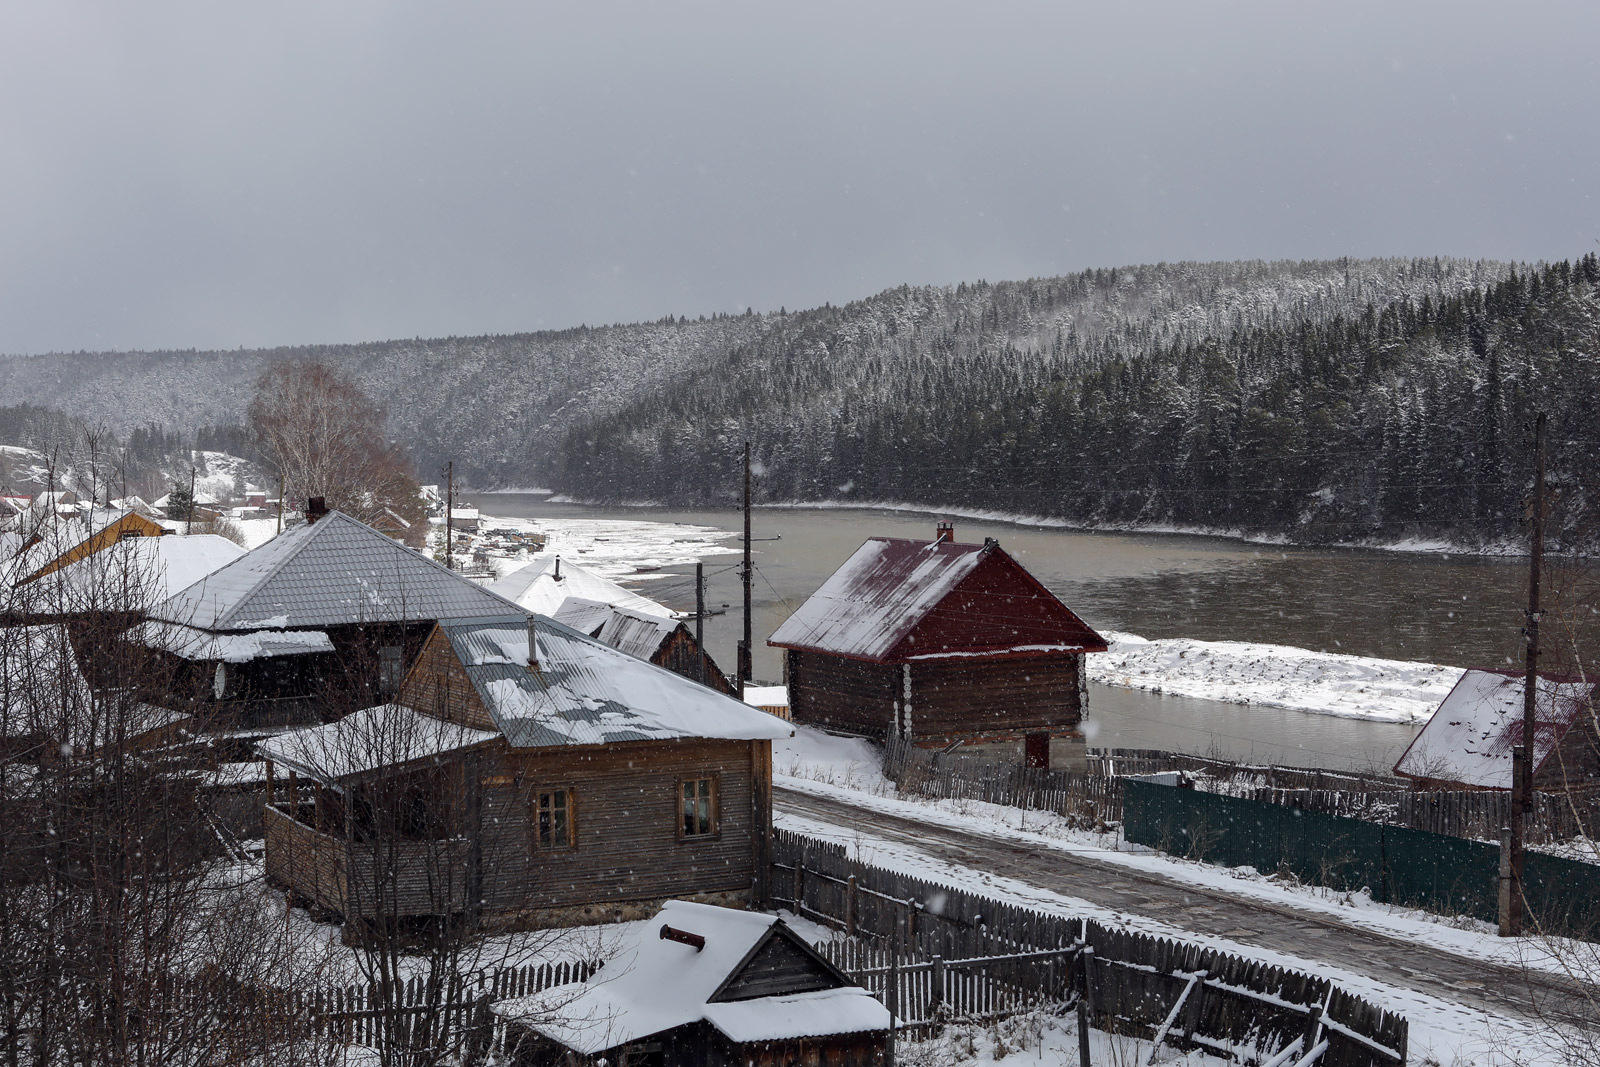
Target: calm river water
{"points": [[1458, 610]]}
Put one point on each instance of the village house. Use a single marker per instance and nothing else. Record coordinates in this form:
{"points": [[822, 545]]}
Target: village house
{"points": [[1468, 742], [527, 775], [65, 541], [326, 617], [701, 986], [544, 585], [659, 639], [936, 642]]}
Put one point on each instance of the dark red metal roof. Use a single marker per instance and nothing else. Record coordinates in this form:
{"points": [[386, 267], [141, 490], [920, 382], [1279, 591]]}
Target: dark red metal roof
{"points": [[897, 600]]}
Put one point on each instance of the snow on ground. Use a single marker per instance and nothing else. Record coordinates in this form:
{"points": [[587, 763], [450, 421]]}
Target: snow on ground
{"points": [[1279, 676], [830, 767], [1441, 1032]]}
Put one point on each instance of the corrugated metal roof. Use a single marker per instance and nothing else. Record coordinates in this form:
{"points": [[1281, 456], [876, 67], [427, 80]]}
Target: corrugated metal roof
{"points": [[536, 589], [869, 608], [635, 632], [330, 572], [1470, 737], [587, 693]]}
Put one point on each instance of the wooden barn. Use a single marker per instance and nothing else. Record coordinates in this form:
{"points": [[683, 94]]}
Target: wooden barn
{"points": [[325, 618], [658, 639], [702, 987], [1468, 742], [528, 775], [937, 642]]}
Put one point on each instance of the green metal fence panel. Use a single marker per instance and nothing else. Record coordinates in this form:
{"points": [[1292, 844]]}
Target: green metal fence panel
{"points": [[1411, 868], [1450, 875], [1563, 895]]}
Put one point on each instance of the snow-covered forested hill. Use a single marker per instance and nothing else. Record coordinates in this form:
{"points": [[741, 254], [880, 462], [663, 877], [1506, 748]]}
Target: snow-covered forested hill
{"points": [[1329, 400]]}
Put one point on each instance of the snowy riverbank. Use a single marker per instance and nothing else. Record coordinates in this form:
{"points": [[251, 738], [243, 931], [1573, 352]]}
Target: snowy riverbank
{"points": [[1278, 676]]}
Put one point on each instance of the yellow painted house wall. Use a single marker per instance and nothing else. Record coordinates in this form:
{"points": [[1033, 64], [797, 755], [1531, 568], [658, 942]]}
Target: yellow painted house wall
{"points": [[132, 523]]}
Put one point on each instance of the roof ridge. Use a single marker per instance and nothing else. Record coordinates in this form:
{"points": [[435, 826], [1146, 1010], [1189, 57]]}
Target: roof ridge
{"points": [[218, 623]]}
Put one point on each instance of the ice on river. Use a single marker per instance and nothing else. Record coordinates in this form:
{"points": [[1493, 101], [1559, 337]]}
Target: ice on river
{"points": [[1278, 676]]}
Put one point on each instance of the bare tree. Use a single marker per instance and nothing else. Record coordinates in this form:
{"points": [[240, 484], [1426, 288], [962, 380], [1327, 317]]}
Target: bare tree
{"points": [[325, 437]]}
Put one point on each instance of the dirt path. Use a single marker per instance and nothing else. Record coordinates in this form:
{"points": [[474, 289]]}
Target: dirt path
{"points": [[1477, 983]]}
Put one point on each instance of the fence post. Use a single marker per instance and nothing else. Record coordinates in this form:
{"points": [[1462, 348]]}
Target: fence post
{"points": [[849, 906], [937, 1007], [1083, 1032], [1313, 1027], [799, 882], [1506, 927]]}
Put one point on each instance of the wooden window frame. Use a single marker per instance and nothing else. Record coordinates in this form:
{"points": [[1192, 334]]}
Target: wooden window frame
{"points": [[572, 819], [684, 836]]}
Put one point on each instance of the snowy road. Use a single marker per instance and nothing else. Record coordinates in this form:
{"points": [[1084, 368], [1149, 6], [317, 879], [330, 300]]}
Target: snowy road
{"points": [[1206, 910]]}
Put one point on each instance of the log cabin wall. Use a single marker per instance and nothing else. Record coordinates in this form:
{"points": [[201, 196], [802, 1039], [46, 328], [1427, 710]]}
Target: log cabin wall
{"points": [[626, 820], [848, 695], [1575, 764], [993, 698]]}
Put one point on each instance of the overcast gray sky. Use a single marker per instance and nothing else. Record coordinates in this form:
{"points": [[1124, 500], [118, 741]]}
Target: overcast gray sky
{"points": [[213, 175]]}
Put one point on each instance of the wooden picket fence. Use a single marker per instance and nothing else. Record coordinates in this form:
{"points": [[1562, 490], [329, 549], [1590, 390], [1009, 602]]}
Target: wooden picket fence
{"points": [[420, 1014], [1093, 799], [937, 954]]}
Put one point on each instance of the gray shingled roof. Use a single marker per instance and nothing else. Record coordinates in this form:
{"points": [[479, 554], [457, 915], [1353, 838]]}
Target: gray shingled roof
{"points": [[328, 573], [586, 693]]}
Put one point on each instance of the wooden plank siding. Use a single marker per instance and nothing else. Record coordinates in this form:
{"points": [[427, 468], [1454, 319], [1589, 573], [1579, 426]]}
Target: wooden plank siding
{"points": [[679, 654], [978, 698], [438, 685], [626, 848]]}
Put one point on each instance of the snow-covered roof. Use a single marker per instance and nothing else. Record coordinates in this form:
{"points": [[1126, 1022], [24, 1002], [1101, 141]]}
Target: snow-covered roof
{"points": [[653, 984], [43, 693], [204, 645], [870, 606], [536, 588], [330, 572], [1470, 738], [389, 735], [587, 693], [637, 633], [129, 575], [766, 696]]}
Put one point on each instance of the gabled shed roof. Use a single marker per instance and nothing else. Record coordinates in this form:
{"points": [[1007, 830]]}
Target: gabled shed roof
{"points": [[654, 984], [587, 693], [331, 572], [1470, 737], [897, 599]]}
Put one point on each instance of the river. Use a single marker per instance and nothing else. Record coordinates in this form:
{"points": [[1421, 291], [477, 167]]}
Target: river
{"points": [[1459, 610]]}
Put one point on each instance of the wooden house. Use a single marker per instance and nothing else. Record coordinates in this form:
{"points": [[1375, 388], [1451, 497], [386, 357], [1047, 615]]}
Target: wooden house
{"points": [[1468, 742], [69, 540], [324, 618], [658, 639], [937, 642], [527, 775], [703, 986]]}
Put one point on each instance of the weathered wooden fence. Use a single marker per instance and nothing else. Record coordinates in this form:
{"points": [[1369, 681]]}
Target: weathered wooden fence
{"points": [[1476, 815], [1093, 799], [936, 953]]}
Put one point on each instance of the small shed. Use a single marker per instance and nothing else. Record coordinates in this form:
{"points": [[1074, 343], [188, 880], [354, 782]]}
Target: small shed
{"points": [[1468, 742], [936, 642], [658, 639], [701, 985]]}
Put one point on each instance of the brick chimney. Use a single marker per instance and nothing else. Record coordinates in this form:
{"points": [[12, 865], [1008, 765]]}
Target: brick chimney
{"points": [[946, 531], [316, 507]]}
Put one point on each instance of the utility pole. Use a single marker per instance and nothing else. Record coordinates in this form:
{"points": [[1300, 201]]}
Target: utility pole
{"points": [[746, 668], [280, 502], [450, 516], [1523, 755], [190, 528], [700, 621]]}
